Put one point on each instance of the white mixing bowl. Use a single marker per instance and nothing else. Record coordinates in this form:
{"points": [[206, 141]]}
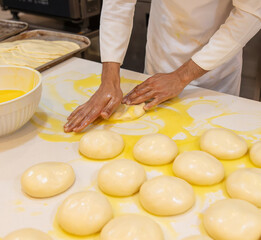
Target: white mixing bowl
{"points": [[16, 112]]}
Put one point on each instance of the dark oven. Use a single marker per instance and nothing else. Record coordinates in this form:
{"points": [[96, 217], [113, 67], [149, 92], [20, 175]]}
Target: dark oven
{"points": [[67, 9]]}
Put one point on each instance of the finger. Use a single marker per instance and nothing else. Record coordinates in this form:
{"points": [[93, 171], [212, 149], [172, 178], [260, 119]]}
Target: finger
{"points": [[75, 120], [91, 117], [75, 111], [136, 92], [153, 103], [110, 108], [145, 97]]}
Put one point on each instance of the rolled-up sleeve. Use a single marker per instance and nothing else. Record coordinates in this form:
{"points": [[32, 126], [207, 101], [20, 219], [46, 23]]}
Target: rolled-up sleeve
{"points": [[115, 29], [242, 24]]}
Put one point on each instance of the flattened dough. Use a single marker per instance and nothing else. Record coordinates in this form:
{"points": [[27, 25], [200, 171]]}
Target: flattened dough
{"points": [[84, 213], [245, 184], [132, 227], [101, 144], [198, 167], [233, 219], [166, 196], [47, 179], [128, 112], [255, 154], [198, 237], [121, 177], [155, 149], [223, 143], [27, 234]]}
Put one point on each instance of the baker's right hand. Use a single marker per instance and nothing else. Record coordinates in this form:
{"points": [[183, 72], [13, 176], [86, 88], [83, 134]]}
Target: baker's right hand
{"points": [[103, 103]]}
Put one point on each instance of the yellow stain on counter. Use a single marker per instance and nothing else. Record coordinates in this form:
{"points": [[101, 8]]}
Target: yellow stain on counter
{"points": [[8, 95], [20, 209]]}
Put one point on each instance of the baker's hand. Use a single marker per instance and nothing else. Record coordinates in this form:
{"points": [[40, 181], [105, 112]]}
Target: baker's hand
{"points": [[164, 86], [103, 103]]}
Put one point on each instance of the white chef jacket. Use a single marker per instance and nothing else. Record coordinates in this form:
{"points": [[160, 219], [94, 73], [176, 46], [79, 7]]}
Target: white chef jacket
{"points": [[211, 32]]}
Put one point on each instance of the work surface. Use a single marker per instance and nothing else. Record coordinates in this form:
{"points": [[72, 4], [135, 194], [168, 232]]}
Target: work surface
{"points": [[42, 139]]}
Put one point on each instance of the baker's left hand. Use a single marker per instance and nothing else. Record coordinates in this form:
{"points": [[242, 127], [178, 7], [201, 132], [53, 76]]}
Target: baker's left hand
{"points": [[159, 88]]}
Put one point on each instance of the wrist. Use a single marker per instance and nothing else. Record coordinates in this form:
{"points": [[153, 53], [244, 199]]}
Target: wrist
{"points": [[110, 73]]}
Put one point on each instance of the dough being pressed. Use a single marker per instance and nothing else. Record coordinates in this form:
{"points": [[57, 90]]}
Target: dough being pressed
{"points": [[132, 227], [255, 154], [166, 196], [198, 167], [198, 237], [223, 143], [27, 234], [233, 219], [101, 144], [121, 177], [128, 112], [245, 184], [84, 213], [155, 149], [47, 179]]}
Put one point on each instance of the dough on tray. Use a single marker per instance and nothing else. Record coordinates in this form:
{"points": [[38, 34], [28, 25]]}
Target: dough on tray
{"points": [[121, 177], [223, 143], [166, 196], [47, 179], [245, 184], [101, 144], [27, 234], [255, 154], [233, 219], [84, 213], [128, 112], [198, 167], [155, 149], [132, 227]]}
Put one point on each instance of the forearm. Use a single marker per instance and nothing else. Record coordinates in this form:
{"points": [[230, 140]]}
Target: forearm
{"points": [[111, 74]]}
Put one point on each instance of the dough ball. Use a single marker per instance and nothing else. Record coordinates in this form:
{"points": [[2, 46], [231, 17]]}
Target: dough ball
{"points": [[132, 227], [27, 234], [128, 112], [245, 184], [101, 144], [198, 167], [166, 196], [223, 143], [198, 237], [255, 154], [233, 219], [47, 179], [121, 177], [84, 213], [155, 149]]}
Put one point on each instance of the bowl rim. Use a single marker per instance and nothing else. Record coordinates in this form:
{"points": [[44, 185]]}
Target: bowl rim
{"points": [[35, 87]]}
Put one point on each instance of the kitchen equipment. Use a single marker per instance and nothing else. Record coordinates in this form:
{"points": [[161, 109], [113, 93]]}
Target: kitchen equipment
{"points": [[82, 41], [16, 112], [10, 28]]}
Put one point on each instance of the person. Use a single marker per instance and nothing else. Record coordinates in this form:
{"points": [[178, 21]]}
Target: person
{"points": [[188, 41]]}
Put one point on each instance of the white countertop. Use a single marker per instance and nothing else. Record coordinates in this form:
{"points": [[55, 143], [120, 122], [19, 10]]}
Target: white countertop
{"points": [[42, 139]]}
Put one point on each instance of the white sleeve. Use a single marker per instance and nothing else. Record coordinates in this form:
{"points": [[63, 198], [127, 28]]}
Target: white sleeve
{"points": [[242, 24], [115, 29]]}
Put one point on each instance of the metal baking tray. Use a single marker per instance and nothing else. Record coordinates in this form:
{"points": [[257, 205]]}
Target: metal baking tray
{"points": [[82, 41], [10, 28]]}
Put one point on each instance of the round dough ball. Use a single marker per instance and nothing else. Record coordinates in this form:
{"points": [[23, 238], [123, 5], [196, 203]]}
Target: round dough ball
{"points": [[121, 177], [198, 237], [84, 213], [223, 143], [233, 219], [132, 227], [155, 149], [198, 167], [101, 144], [27, 234], [245, 184], [255, 154], [47, 179], [166, 196]]}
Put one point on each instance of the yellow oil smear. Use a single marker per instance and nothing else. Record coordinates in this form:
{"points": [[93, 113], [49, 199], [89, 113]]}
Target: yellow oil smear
{"points": [[70, 106], [20, 209], [36, 213], [7, 95], [18, 202]]}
